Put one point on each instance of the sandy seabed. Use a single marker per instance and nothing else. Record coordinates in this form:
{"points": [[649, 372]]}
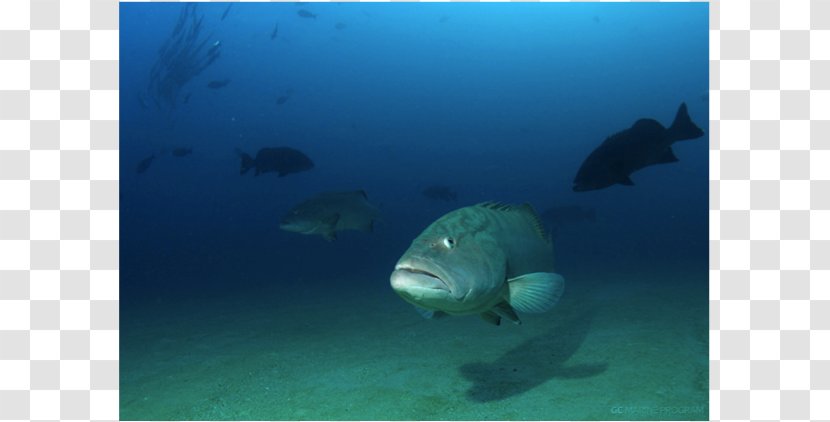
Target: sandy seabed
{"points": [[632, 349]]}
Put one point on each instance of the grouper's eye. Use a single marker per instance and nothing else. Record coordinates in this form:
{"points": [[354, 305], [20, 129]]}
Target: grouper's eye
{"points": [[449, 242]]}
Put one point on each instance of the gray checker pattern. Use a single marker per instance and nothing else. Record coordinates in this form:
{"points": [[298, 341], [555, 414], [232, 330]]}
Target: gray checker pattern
{"points": [[58, 210], [769, 209]]}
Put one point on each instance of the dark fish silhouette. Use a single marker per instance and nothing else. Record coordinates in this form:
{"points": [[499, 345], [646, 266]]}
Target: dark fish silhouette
{"points": [[644, 144], [218, 84], [275, 31], [144, 164], [181, 152], [306, 14], [340, 25], [440, 193], [281, 160], [443, 19], [282, 99], [225, 13], [187, 98]]}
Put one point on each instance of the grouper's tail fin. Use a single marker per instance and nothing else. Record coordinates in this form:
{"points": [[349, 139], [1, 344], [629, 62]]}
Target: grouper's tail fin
{"points": [[247, 161], [683, 128]]}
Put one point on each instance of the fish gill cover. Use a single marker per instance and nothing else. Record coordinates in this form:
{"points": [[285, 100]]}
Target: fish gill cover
{"points": [[234, 116]]}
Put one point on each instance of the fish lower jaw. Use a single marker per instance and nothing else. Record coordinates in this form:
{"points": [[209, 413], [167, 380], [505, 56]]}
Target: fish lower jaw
{"points": [[408, 279]]}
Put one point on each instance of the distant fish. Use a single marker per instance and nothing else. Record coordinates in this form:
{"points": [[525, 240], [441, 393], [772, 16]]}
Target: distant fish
{"points": [[443, 19], [282, 99], [187, 98], [275, 31], [328, 213], [214, 49], [225, 13], [340, 26], [144, 164], [281, 160], [440, 193], [489, 259], [596, 19], [306, 14], [181, 152], [644, 144], [218, 84]]}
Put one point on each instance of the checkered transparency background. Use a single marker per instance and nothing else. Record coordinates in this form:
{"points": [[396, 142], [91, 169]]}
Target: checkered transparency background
{"points": [[769, 209]]}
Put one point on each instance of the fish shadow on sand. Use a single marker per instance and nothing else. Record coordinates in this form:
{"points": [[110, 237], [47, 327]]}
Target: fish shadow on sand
{"points": [[533, 362]]}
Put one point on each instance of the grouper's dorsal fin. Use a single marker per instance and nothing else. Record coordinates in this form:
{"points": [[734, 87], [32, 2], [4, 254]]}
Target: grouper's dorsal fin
{"points": [[526, 209], [537, 222], [498, 206]]}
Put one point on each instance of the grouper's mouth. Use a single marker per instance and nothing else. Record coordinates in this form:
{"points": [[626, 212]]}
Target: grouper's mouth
{"points": [[406, 277]]}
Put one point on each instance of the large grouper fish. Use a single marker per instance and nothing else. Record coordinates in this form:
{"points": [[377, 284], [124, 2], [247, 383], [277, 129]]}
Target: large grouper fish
{"points": [[490, 259], [327, 213]]}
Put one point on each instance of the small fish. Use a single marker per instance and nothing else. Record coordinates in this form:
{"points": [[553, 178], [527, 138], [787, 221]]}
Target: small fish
{"points": [[218, 84], [144, 164], [440, 193], [187, 98], [644, 144], [328, 213], [282, 99], [489, 259], [340, 26], [275, 31], [306, 14], [443, 19], [214, 48], [280, 160], [181, 152], [225, 13]]}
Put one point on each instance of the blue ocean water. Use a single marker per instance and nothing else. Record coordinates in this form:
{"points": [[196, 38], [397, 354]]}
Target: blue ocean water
{"points": [[498, 101]]}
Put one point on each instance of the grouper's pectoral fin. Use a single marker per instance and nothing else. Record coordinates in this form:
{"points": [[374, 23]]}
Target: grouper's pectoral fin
{"points": [[505, 311], [535, 292]]}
